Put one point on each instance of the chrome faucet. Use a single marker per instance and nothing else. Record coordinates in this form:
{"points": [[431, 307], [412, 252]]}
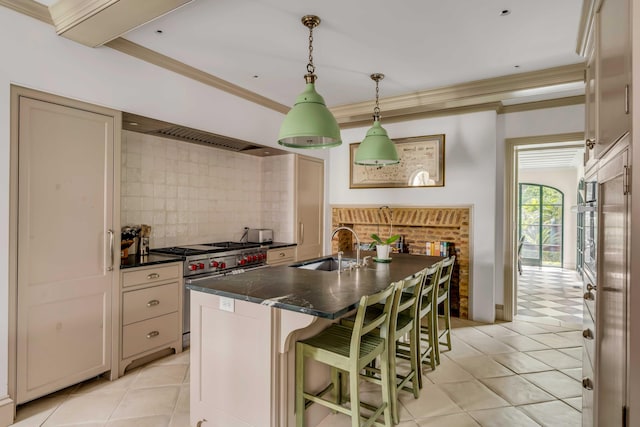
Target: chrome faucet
{"points": [[333, 233]]}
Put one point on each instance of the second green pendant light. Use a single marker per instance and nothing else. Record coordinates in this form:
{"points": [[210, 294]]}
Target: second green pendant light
{"points": [[376, 149]]}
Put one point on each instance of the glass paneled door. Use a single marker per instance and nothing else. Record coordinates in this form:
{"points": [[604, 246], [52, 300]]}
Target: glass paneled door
{"points": [[541, 213]]}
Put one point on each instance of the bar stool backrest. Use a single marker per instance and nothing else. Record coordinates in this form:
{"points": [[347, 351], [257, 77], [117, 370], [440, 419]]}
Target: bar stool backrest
{"points": [[446, 272], [381, 320], [430, 288]]}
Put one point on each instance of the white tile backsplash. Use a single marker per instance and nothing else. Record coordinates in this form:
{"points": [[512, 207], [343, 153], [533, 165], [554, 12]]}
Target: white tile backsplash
{"points": [[191, 194]]}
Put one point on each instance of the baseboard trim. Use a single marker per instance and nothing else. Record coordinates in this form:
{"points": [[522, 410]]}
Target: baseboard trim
{"points": [[499, 312], [7, 410]]}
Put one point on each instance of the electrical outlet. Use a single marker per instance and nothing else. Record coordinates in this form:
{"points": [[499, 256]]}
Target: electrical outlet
{"points": [[227, 304]]}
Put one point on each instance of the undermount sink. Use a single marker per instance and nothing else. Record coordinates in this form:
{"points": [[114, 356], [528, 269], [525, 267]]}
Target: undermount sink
{"points": [[324, 264]]}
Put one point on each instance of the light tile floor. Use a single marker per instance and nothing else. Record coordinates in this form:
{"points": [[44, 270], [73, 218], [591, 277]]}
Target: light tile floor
{"points": [[507, 374], [551, 295]]}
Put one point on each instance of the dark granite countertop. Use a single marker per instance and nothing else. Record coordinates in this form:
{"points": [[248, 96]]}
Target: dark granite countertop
{"points": [[137, 261], [276, 245], [319, 293]]}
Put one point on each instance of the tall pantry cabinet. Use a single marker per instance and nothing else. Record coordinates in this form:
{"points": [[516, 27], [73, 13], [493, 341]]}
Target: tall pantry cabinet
{"points": [[607, 49], [64, 213], [309, 206]]}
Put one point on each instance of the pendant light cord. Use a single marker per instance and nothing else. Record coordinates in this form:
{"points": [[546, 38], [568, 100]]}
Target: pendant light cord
{"points": [[311, 69], [376, 109]]}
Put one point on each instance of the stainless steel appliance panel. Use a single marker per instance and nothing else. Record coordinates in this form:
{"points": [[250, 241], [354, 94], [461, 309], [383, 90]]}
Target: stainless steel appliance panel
{"points": [[611, 309]]}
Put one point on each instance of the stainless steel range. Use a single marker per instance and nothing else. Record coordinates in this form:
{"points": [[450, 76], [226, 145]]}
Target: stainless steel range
{"points": [[213, 260]]}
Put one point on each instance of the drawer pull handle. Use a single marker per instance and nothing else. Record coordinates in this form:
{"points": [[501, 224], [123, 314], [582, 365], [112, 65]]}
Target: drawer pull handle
{"points": [[153, 302], [587, 334], [591, 287], [588, 296], [281, 254], [153, 276], [200, 422], [587, 383], [152, 334]]}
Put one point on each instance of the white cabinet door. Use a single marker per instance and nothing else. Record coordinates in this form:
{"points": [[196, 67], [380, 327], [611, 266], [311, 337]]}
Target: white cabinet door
{"points": [[309, 206], [65, 254]]}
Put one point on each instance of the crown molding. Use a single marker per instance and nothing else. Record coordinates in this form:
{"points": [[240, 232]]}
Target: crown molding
{"points": [[30, 8], [463, 95], [539, 105], [585, 27]]}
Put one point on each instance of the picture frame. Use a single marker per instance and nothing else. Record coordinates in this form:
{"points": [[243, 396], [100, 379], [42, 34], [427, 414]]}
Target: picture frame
{"points": [[421, 165]]}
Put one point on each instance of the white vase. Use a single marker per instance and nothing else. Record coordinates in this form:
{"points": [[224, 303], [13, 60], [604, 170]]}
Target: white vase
{"points": [[383, 251]]}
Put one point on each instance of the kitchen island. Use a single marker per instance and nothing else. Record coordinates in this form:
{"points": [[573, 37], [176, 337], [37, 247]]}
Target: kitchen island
{"points": [[243, 333]]}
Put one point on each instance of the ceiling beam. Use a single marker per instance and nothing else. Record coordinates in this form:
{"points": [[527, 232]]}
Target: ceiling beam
{"points": [[479, 92]]}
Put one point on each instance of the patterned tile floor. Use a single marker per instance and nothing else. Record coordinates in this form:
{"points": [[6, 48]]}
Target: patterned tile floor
{"points": [[550, 295], [506, 374]]}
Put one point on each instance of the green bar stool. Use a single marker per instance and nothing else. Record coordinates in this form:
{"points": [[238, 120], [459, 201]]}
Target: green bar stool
{"points": [[403, 323], [443, 298], [350, 350], [427, 332]]}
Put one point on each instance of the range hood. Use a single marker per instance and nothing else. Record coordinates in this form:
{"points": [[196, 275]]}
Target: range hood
{"points": [[141, 124]]}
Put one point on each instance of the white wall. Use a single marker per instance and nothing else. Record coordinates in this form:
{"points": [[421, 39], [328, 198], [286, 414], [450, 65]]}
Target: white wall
{"points": [[470, 179], [565, 180]]}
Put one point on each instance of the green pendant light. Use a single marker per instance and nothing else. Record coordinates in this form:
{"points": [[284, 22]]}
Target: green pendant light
{"points": [[310, 124], [376, 149]]}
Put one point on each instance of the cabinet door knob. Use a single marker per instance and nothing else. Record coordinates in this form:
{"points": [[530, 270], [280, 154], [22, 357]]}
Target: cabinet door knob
{"points": [[199, 424], [590, 143], [153, 302], [588, 296], [587, 383], [152, 334], [587, 334], [591, 287], [153, 276]]}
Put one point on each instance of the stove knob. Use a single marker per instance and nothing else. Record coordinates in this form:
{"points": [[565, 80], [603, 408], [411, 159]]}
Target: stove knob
{"points": [[193, 267], [201, 266], [250, 258], [242, 262], [214, 264], [223, 265]]}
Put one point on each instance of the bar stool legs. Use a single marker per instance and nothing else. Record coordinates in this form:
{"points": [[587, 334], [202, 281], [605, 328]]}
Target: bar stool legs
{"points": [[350, 350], [443, 293]]}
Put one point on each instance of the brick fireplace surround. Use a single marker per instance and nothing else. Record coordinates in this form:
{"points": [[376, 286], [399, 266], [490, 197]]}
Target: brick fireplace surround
{"points": [[418, 225]]}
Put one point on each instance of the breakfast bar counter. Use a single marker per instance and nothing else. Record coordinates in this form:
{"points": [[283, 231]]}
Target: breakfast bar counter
{"points": [[244, 328]]}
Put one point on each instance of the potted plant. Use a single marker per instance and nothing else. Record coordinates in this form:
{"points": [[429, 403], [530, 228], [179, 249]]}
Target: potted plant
{"points": [[383, 247]]}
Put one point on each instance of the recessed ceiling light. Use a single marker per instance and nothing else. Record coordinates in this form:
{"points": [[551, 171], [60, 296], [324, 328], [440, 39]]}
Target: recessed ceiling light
{"points": [[267, 152], [133, 123], [505, 12], [159, 31]]}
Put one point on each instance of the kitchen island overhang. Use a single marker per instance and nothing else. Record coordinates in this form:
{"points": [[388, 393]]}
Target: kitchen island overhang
{"points": [[242, 354]]}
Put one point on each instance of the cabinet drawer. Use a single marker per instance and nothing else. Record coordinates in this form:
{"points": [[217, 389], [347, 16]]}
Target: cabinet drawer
{"points": [[150, 302], [141, 276], [148, 334], [281, 256]]}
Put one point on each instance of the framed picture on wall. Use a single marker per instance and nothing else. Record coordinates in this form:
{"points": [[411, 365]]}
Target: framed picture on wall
{"points": [[421, 165]]}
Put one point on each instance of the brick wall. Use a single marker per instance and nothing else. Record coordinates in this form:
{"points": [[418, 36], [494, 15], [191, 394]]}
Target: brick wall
{"points": [[417, 226]]}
